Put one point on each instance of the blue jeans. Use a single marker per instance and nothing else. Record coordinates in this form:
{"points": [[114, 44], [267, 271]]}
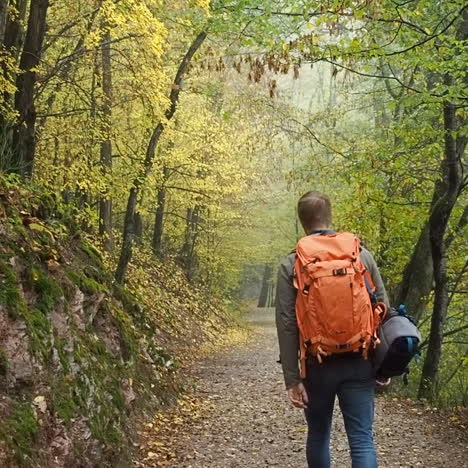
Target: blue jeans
{"points": [[351, 378]]}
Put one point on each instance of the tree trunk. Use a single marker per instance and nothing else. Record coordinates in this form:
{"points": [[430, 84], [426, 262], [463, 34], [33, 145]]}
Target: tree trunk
{"points": [[417, 280], [3, 19], [451, 169], [187, 253], [418, 275], [267, 276], [128, 234], [271, 295], [159, 217], [105, 203], [139, 228], [13, 34], [187, 235], [11, 38], [24, 138]]}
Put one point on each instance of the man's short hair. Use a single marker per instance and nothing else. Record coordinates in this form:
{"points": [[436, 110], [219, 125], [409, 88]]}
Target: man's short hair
{"points": [[314, 210]]}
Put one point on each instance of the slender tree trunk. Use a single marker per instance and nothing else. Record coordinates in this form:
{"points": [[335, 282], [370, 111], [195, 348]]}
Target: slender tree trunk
{"points": [[187, 253], [129, 227], [14, 30], [193, 261], [187, 236], [159, 217], [451, 168], [24, 138], [11, 39], [3, 18], [105, 203], [159, 222], [128, 236], [271, 295], [139, 228], [267, 276]]}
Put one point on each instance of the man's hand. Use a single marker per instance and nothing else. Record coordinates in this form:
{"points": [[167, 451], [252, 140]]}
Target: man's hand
{"points": [[298, 396], [383, 382]]}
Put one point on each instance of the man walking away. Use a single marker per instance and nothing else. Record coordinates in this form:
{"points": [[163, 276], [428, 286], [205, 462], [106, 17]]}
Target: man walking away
{"points": [[330, 367]]}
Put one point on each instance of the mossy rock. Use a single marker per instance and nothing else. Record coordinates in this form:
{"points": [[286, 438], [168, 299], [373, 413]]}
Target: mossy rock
{"points": [[48, 290], [19, 229], [10, 295], [130, 302], [3, 363], [37, 317], [63, 397], [98, 273], [20, 431], [86, 284], [63, 355], [44, 205], [95, 392], [39, 332], [91, 251]]}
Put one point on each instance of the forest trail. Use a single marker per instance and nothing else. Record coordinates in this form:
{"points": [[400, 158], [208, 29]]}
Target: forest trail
{"points": [[246, 422]]}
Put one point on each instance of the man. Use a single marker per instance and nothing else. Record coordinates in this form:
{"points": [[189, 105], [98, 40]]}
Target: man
{"points": [[348, 376]]}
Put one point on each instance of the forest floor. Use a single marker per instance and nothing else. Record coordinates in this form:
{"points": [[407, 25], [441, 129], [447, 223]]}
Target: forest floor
{"points": [[237, 416]]}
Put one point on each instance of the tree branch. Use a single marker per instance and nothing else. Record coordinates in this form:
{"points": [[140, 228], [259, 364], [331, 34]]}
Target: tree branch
{"points": [[462, 222], [445, 335]]}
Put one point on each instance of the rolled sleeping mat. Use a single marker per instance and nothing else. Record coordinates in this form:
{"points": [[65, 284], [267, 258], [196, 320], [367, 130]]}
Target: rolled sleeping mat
{"points": [[399, 343]]}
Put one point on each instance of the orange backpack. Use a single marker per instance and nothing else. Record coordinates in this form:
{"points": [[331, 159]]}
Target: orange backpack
{"points": [[334, 309]]}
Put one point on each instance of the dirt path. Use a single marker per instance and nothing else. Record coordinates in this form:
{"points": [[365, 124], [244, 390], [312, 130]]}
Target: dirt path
{"points": [[245, 421]]}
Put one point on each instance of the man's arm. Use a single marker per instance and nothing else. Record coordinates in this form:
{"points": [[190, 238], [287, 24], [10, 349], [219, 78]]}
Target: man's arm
{"points": [[373, 270], [286, 323]]}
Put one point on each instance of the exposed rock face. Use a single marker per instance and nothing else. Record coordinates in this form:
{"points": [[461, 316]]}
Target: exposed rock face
{"points": [[77, 310], [62, 359], [14, 343]]}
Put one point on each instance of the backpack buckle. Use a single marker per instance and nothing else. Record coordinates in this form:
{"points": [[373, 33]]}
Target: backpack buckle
{"points": [[339, 272]]}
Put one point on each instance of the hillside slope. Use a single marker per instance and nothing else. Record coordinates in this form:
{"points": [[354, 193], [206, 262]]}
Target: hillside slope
{"points": [[80, 357]]}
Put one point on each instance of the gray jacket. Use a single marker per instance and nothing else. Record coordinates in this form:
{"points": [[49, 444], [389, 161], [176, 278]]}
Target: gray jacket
{"points": [[286, 323]]}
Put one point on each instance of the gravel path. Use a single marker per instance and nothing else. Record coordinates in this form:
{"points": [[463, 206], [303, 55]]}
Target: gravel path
{"points": [[246, 421]]}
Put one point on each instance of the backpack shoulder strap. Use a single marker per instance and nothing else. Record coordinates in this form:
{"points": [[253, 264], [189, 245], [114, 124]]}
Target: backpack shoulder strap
{"points": [[370, 287]]}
